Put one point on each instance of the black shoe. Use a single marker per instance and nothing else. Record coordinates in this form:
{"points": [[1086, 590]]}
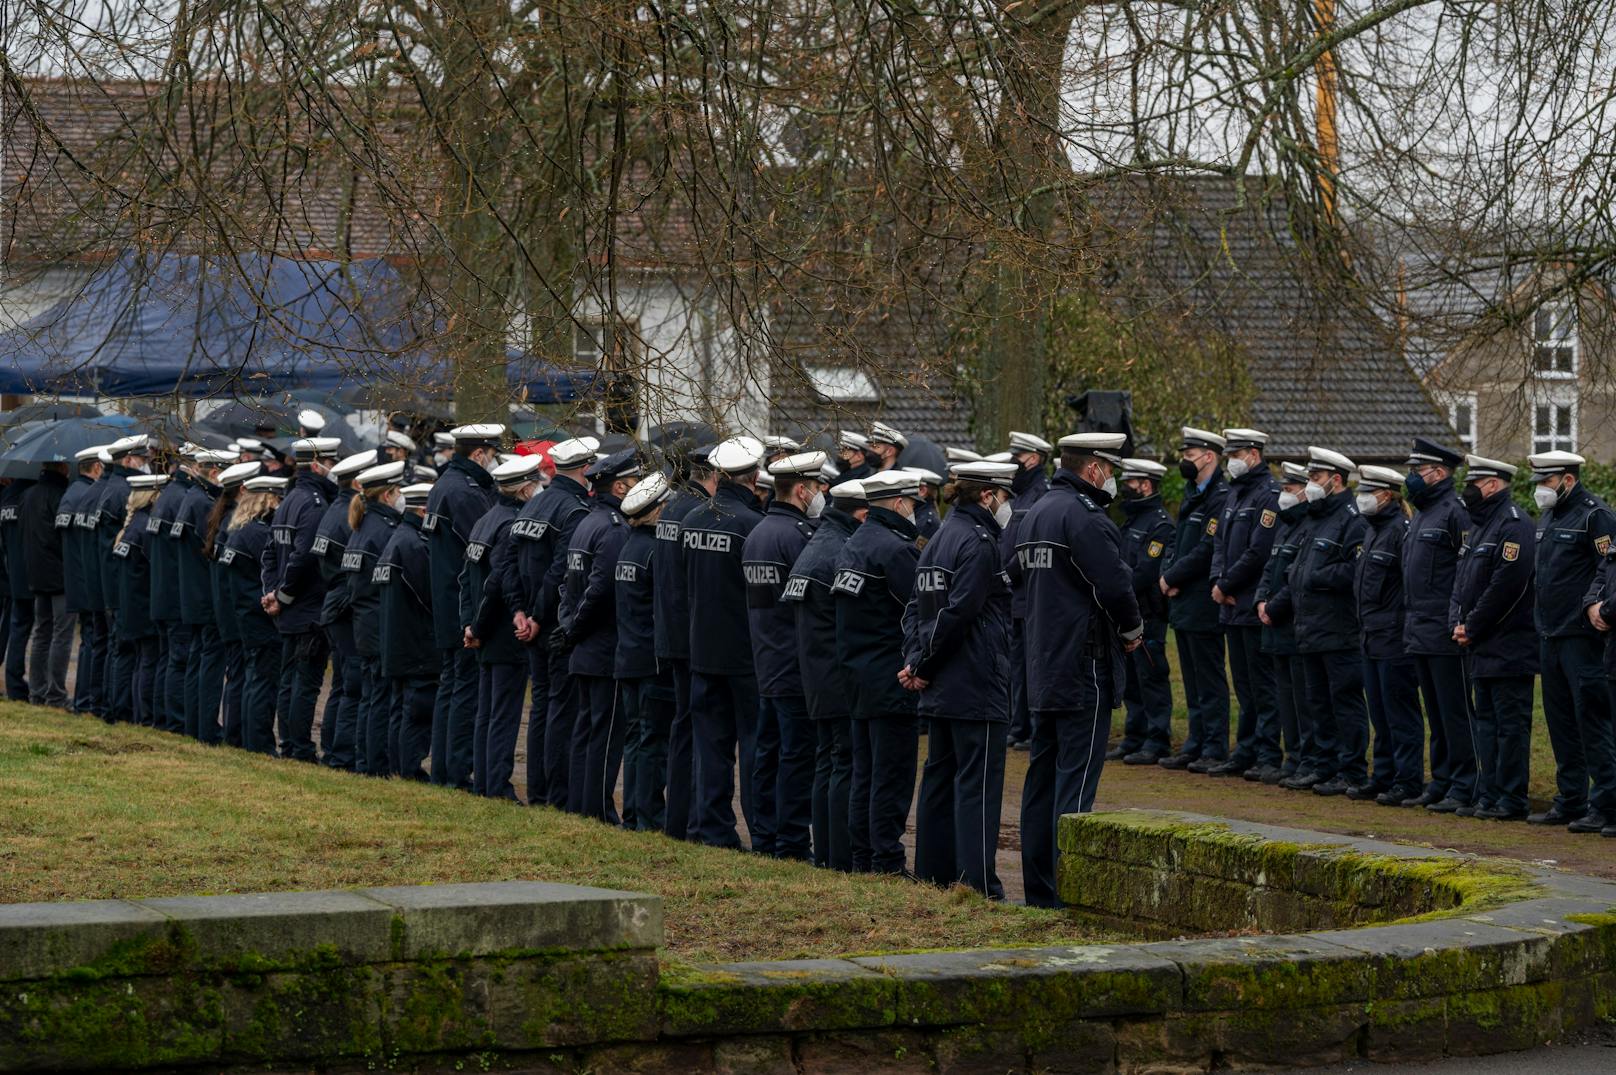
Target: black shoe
{"points": [[1592, 821], [1141, 757], [1608, 830], [1552, 816], [1395, 797], [1204, 765], [1333, 786], [1362, 793], [1468, 810], [1498, 813], [1447, 806], [1273, 775], [1302, 781], [1228, 768], [1117, 754], [1427, 797], [1177, 761]]}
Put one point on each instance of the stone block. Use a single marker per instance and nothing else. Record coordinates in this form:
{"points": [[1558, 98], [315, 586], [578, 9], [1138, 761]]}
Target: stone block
{"points": [[1077, 1048], [651, 1058], [517, 916], [900, 1052], [1579, 947], [1027, 986], [269, 930], [41, 939], [302, 1015], [789, 995], [1169, 1043], [1426, 959], [1289, 1037], [979, 1051], [75, 1024], [1238, 973], [1504, 1020], [768, 1054], [1406, 1031]]}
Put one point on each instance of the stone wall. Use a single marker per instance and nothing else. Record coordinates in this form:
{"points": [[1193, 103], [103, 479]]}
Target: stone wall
{"points": [[1461, 958]]}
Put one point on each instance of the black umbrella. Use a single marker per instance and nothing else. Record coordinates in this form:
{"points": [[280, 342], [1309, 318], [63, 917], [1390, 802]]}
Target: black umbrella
{"points": [[692, 434], [46, 410], [59, 442], [923, 453]]}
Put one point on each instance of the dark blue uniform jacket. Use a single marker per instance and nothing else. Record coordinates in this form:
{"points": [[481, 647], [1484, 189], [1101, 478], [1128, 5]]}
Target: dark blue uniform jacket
{"points": [[134, 580], [403, 575], [1324, 610], [875, 578], [162, 552], [188, 533], [1242, 544], [712, 538], [956, 627], [827, 687], [110, 508], [291, 569], [219, 579], [330, 542], [668, 570], [11, 536], [532, 569], [770, 550], [1379, 584], [74, 557], [358, 563], [1573, 538], [1279, 635], [1027, 488], [460, 497], [1190, 568], [85, 517], [243, 556], [588, 603], [482, 604], [1430, 563], [635, 594], [1147, 544], [1492, 595]]}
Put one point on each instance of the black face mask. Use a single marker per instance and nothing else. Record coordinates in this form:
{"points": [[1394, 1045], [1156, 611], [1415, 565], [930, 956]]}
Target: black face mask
{"points": [[1188, 469], [1473, 496], [1128, 492]]}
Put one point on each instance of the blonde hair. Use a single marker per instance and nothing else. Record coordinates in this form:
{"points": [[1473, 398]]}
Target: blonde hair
{"points": [[139, 500], [254, 504], [357, 506]]}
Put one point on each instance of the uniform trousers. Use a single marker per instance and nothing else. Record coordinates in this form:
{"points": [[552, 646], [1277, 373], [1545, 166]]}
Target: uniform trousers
{"points": [[1333, 688], [833, 778], [1147, 693], [562, 718], [230, 702], [177, 682], [119, 679], [88, 696], [409, 724], [1503, 722], [204, 684], [340, 751], [1257, 735], [303, 660], [1295, 724], [1393, 690], [500, 689], [51, 650], [335, 698], [603, 758], [1020, 715], [1206, 693], [724, 713], [680, 822], [160, 711], [260, 685], [1446, 689], [1577, 710], [538, 712], [648, 708], [139, 670], [886, 748], [20, 627], [961, 793], [454, 717], [375, 713], [579, 789], [783, 780], [1063, 775]]}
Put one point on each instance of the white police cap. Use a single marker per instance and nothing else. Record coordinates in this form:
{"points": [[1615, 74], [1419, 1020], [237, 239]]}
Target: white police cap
{"points": [[577, 452], [1372, 477], [353, 464], [523, 468], [316, 448], [1143, 468], [426, 474], [1107, 446], [849, 490], [881, 433], [139, 444], [1292, 473], [93, 452], [233, 476], [1327, 459], [828, 473], [1029, 442], [1477, 466], [801, 465], [264, 483], [1190, 437], [1001, 457], [651, 491], [853, 441], [961, 455], [416, 493], [148, 481], [443, 440], [765, 480], [386, 474], [395, 439], [1551, 464], [1235, 439], [478, 434], [215, 457], [891, 483], [930, 477], [737, 455], [980, 470], [775, 443], [311, 420]]}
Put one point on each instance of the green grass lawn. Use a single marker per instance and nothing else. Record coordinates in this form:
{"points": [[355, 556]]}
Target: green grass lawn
{"points": [[92, 811]]}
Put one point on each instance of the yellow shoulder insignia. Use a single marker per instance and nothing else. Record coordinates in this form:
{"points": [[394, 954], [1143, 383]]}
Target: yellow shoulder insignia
{"points": [[1268, 517], [1212, 526], [1153, 550], [1602, 544]]}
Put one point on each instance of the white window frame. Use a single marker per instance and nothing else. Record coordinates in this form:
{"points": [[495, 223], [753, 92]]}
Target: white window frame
{"points": [[1554, 325], [1455, 400], [1553, 441], [592, 327], [842, 384]]}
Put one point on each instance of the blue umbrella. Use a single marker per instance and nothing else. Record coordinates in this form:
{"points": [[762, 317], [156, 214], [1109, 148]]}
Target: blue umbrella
{"points": [[59, 442]]}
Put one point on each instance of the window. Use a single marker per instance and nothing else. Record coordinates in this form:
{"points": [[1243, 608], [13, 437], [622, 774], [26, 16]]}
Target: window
{"points": [[1462, 414], [841, 384], [608, 345], [1554, 425], [1554, 340]]}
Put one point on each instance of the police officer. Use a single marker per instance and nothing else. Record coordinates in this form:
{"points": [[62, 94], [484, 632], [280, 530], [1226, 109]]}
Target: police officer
{"points": [[723, 683], [1430, 561], [136, 632], [409, 660], [957, 656], [52, 645], [673, 632], [310, 423], [1279, 632], [1574, 535], [644, 685], [488, 629], [1187, 581], [886, 444], [853, 451], [1031, 455], [783, 774], [587, 622], [1147, 543], [165, 590], [875, 579], [777, 447], [927, 520], [127, 456], [77, 553], [339, 726], [397, 447], [827, 686], [373, 514], [247, 539], [22, 594], [460, 496], [1240, 548], [530, 569], [1326, 620], [1390, 681], [204, 661], [221, 592], [1082, 617], [1492, 618], [294, 591]]}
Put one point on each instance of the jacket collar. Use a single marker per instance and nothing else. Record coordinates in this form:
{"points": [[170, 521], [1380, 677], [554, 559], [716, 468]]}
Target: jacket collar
{"points": [[893, 522]]}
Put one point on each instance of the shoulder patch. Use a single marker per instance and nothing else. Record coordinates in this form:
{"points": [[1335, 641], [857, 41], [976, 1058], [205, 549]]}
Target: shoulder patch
{"points": [[1269, 517], [1512, 550], [1212, 526], [1154, 549], [1602, 544]]}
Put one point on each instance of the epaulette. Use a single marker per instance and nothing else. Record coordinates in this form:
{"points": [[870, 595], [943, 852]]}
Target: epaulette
{"points": [[1087, 501]]}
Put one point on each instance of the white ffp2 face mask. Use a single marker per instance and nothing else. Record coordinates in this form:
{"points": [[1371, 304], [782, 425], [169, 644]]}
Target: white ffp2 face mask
{"points": [[816, 506], [1545, 496], [1238, 468], [1368, 503], [1002, 514], [1314, 491], [1288, 500], [1110, 487]]}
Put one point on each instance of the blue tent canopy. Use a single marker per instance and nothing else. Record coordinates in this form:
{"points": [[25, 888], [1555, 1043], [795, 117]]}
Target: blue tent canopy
{"points": [[149, 324]]}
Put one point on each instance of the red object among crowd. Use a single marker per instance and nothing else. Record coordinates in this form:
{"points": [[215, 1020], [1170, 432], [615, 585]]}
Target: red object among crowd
{"points": [[539, 448]]}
